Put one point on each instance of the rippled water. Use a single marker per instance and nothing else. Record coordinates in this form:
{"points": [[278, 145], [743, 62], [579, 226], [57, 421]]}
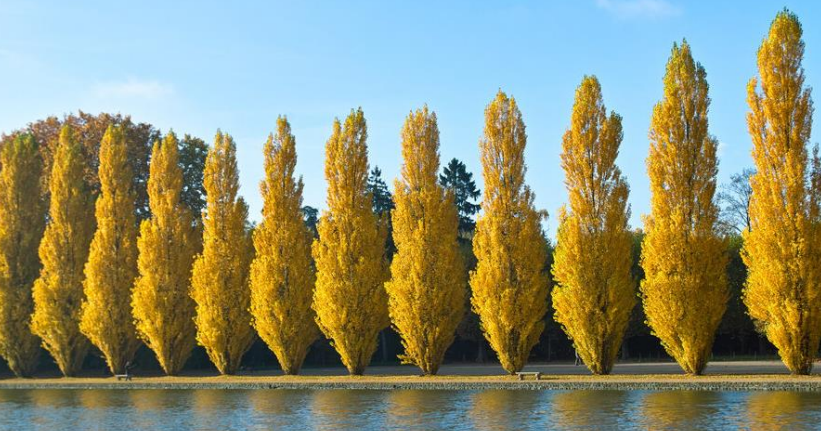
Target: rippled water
{"points": [[404, 410]]}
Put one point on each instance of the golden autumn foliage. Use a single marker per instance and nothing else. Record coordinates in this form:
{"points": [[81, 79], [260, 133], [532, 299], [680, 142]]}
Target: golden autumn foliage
{"points": [[161, 301], [100, 244], [112, 260], [782, 250], [282, 273], [58, 293], [596, 293], [219, 277], [509, 284], [426, 294], [22, 221], [685, 287], [350, 299]]}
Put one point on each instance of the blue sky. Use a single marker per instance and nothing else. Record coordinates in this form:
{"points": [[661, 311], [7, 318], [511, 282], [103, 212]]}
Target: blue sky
{"points": [[198, 66]]}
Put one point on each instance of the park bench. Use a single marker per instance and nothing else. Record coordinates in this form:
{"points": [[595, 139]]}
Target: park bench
{"points": [[127, 375], [523, 374]]}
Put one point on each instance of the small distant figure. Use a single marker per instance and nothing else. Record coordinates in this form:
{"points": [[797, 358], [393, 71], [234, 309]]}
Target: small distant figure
{"points": [[578, 359], [127, 376]]}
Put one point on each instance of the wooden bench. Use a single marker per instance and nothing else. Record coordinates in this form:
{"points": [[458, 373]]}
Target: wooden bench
{"points": [[126, 372], [523, 374], [126, 376]]}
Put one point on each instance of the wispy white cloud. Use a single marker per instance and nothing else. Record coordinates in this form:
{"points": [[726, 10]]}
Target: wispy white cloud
{"points": [[722, 146], [639, 8], [132, 88]]}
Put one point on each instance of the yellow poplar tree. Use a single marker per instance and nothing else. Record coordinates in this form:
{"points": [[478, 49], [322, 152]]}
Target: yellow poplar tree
{"points": [[112, 261], [685, 287], [782, 250], [282, 274], [426, 295], [596, 292], [161, 302], [350, 299], [220, 274], [58, 293], [509, 284], [22, 221]]}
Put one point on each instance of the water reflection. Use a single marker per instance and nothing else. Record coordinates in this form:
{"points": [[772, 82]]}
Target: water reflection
{"points": [[346, 409], [680, 409], [503, 409], [26, 401], [41, 399], [152, 409], [404, 410], [100, 400], [208, 407], [150, 402], [574, 409], [783, 410], [408, 408], [424, 410], [272, 409], [98, 407]]}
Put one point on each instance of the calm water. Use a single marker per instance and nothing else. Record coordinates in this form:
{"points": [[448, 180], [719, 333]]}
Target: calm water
{"points": [[404, 410]]}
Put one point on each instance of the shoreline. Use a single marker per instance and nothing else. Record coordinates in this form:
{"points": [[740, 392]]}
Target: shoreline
{"points": [[651, 383], [659, 376]]}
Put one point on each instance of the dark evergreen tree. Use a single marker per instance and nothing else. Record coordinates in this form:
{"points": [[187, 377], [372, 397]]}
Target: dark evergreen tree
{"points": [[311, 217], [382, 197], [192, 154], [382, 205], [456, 177]]}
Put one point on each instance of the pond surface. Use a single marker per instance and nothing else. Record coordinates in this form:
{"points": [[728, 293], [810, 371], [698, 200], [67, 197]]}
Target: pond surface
{"points": [[208, 409]]}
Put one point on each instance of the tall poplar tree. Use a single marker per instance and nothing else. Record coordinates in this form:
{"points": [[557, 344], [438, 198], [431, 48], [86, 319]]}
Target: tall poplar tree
{"points": [[426, 295], [509, 284], [592, 262], [112, 261], [220, 274], [161, 302], [282, 273], [350, 299], [22, 221], [783, 249], [58, 293], [685, 287]]}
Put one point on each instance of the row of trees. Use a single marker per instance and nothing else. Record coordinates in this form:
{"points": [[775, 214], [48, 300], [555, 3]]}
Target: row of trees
{"points": [[685, 288], [121, 258]]}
